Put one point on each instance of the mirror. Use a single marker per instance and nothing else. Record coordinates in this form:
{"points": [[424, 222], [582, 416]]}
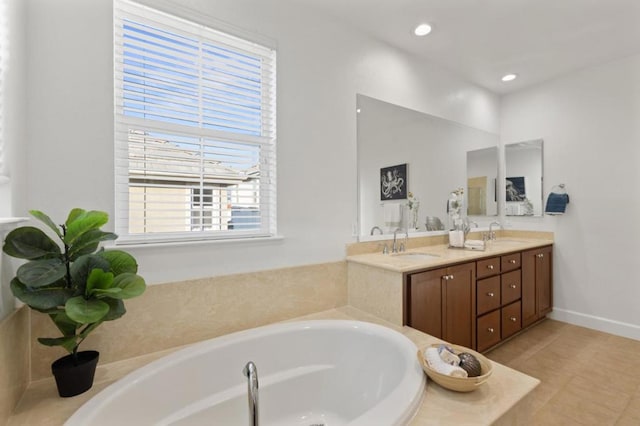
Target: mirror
{"points": [[482, 178], [415, 158], [523, 178]]}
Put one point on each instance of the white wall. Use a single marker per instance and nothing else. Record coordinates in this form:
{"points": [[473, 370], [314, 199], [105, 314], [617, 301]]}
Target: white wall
{"points": [[12, 194], [590, 123], [321, 67]]}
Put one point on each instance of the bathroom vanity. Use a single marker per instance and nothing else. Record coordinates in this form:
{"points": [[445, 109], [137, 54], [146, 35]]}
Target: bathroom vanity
{"points": [[470, 298]]}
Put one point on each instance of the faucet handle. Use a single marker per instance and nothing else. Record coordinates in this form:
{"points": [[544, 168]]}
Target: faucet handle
{"points": [[402, 248], [385, 249]]}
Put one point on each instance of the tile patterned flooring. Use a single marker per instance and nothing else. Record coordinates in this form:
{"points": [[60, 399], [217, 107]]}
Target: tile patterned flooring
{"points": [[588, 377]]}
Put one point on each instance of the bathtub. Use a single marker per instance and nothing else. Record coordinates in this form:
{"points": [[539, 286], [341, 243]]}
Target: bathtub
{"points": [[329, 372]]}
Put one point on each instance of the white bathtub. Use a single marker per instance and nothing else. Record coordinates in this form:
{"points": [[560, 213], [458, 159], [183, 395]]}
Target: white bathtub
{"points": [[310, 373]]}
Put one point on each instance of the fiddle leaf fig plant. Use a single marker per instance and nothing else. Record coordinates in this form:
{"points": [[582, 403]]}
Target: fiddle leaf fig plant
{"points": [[75, 281]]}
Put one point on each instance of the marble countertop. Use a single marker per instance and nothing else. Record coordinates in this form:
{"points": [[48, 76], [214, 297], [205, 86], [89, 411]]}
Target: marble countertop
{"points": [[443, 255], [501, 400]]}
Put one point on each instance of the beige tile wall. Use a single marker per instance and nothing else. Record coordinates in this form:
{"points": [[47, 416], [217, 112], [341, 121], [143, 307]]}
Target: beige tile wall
{"points": [[170, 315], [14, 360]]}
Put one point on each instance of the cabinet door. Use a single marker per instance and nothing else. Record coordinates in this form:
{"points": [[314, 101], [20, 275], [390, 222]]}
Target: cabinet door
{"points": [[425, 301], [536, 284], [459, 305], [543, 281]]}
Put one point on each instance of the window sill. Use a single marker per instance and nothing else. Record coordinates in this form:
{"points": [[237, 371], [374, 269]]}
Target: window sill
{"points": [[135, 244]]}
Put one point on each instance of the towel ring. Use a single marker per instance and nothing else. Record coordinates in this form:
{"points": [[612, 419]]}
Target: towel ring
{"points": [[560, 187]]}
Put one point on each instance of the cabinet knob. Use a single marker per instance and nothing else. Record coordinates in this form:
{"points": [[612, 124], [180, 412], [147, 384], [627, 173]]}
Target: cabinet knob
{"points": [[513, 319], [451, 276], [513, 285], [541, 255], [490, 294], [490, 329], [512, 261], [447, 277], [489, 266]]}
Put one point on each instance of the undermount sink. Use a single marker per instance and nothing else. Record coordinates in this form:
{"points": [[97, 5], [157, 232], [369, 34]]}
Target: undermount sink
{"points": [[415, 256], [508, 240]]}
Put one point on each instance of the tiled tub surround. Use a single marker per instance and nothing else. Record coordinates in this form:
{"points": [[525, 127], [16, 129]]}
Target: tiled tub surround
{"points": [[176, 314], [376, 280], [504, 399]]}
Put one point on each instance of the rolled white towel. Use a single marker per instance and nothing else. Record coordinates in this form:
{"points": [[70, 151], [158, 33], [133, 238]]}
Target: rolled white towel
{"points": [[434, 361]]}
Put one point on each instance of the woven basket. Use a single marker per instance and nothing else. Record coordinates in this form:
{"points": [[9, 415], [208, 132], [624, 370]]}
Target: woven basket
{"points": [[458, 384]]}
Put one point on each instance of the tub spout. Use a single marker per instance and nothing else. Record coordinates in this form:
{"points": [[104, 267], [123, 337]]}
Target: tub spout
{"points": [[251, 372]]}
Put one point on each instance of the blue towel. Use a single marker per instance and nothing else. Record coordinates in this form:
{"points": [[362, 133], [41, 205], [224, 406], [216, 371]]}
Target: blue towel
{"points": [[556, 203]]}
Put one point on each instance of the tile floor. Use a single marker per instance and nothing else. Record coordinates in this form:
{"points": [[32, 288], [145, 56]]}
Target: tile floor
{"points": [[588, 377]]}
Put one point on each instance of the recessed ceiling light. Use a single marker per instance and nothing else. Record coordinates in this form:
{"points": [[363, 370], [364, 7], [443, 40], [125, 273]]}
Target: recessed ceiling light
{"points": [[509, 77], [422, 30]]}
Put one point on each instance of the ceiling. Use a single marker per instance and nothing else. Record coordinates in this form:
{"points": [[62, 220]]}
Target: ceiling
{"points": [[481, 40]]}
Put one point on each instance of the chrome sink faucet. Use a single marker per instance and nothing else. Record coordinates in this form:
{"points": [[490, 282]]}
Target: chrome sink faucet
{"points": [[395, 248], [376, 228], [492, 234]]}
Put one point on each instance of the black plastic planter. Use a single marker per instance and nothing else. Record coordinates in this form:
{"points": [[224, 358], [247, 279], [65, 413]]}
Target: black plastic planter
{"points": [[74, 378]]}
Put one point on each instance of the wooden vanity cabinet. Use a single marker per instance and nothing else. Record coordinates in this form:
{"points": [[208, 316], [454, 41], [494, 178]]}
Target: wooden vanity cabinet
{"points": [[479, 304], [536, 284], [442, 303]]}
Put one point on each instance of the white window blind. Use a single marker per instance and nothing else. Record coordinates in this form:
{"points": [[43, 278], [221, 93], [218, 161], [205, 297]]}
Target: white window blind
{"points": [[195, 130]]}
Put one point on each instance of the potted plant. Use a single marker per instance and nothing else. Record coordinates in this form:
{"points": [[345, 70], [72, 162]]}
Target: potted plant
{"points": [[74, 281]]}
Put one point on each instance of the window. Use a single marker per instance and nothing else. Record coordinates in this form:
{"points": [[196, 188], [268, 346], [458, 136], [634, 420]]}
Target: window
{"points": [[195, 130]]}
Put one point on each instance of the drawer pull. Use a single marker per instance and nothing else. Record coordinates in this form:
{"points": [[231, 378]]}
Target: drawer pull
{"points": [[489, 266], [513, 285], [490, 329], [513, 319], [490, 294], [512, 261]]}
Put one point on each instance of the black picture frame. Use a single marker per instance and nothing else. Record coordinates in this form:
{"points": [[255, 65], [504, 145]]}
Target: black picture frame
{"points": [[394, 182], [516, 189]]}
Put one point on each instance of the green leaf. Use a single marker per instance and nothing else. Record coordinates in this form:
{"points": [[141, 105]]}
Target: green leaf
{"points": [[39, 273], [42, 299], [69, 343], [132, 285], [81, 268], [82, 223], [116, 309], [99, 279], [73, 215], [28, 242], [120, 261], [89, 242], [85, 311], [46, 220]]}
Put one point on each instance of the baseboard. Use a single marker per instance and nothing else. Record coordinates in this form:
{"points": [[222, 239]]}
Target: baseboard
{"points": [[597, 323]]}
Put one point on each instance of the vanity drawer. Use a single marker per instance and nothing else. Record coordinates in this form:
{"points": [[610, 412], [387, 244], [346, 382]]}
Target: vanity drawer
{"points": [[511, 286], [510, 262], [488, 267], [511, 319], [488, 330], [488, 294]]}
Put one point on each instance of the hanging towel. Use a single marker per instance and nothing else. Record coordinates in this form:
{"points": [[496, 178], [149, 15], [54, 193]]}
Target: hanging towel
{"points": [[392, 216], [556, 203]]}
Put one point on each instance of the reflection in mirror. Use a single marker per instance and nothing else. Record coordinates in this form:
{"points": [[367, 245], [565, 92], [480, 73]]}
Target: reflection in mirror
{"points": [[482, 175], [433, 150], [523, 178]]}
